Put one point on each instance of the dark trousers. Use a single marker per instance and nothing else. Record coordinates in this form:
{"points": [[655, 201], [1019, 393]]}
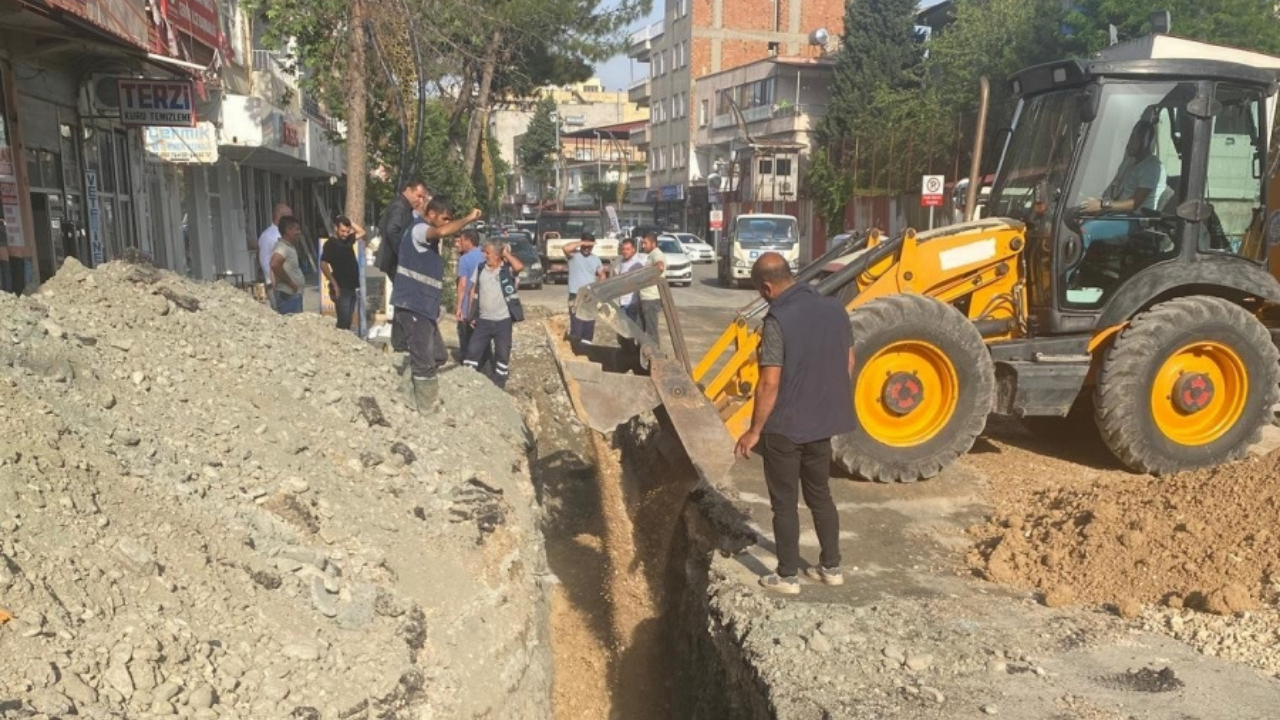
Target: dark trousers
{"points": [[421, 335], [345, 307], [650, 310], [789, 470], [582, 329], [495, 333], [288, 304], [465, 331]]}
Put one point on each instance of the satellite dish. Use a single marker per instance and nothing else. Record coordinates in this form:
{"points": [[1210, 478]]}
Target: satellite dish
{"points": [[819, 37]]}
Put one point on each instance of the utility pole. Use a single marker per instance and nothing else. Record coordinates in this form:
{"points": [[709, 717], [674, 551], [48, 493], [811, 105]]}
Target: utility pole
{"points": [[599, 172], [555, 118]]}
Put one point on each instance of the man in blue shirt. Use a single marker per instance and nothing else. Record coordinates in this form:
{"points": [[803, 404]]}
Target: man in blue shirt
{"points": [[584, 269], [470, 258]]}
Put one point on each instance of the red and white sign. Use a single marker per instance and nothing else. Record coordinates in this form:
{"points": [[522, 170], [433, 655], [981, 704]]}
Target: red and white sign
{"points": [[197, 18], [156, 103], [931, 190], [717, 219]]}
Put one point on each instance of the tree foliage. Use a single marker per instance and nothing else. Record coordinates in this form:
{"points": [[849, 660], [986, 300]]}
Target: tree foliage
{"points": [[1248, 24], [537, 152]]}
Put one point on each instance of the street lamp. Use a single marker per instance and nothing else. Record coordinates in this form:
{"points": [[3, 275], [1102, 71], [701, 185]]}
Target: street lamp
{"points": [[599, 172], [555, 118]]}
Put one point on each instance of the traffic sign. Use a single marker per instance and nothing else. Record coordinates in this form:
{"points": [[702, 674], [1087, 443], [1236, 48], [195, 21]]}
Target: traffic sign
{"points": [[931, 190], [717, 219]]}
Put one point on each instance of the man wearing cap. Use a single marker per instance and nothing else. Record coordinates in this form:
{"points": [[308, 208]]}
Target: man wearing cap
{"points": [[416, 295], [584, 269]]}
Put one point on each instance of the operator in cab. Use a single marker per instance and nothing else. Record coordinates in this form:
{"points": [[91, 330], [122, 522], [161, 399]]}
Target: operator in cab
{"points": [[1139, 181]]}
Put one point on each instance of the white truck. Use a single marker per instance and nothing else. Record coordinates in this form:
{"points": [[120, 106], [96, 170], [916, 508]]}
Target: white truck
{"points": [[750, 236], [557, 228]]}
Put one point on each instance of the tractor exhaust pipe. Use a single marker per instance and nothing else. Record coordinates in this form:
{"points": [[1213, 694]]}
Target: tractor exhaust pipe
{"points": [[975, 167]]}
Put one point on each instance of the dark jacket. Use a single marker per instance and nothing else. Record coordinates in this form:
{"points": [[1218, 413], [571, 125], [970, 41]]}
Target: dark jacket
{"points": [[396, 219], [815, 396], [510, 293]]}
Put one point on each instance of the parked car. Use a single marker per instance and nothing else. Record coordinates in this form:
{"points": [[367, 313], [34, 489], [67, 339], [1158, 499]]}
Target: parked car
{"points": [[522, 247], [679, 267], [697, 250]]}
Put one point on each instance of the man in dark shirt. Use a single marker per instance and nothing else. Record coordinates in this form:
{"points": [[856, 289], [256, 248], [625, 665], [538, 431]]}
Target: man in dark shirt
{"points": [[338, 262], [804, 398]]}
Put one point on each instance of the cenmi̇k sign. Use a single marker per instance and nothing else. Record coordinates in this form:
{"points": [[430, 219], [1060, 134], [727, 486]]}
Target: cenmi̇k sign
{"points": [[156, 103]]}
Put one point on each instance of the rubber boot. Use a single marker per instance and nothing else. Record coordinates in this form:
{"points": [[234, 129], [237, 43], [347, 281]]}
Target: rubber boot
{"points": [[425, 393]]}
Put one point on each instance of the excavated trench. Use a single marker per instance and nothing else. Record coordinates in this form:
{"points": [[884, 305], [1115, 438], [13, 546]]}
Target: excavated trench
{"points": [[629, 537]]}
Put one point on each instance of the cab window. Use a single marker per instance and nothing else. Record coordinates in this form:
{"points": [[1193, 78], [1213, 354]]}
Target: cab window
{"points": [[1233, 185]]}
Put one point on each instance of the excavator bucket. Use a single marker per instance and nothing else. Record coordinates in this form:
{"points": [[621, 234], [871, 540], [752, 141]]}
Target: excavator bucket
{"points": [[604, 395]]}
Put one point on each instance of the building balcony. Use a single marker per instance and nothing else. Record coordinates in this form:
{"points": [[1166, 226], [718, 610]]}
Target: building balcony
{"points": [[772, 120], [643, 136], [642, 41], [640, 91]]}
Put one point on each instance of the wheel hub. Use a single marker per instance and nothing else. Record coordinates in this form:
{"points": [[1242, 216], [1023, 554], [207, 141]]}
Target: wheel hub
{"points": [[903, 392], [1193, 392]]}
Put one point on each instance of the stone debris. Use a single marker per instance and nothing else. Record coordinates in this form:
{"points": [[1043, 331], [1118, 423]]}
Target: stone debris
{"points": [[199, 518]]}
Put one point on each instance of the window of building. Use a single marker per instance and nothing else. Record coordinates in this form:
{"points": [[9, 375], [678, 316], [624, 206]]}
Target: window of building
{"points": [[685, 54], [783, 167], [703, 111], [682, 8], [766, 167], [659, 110], [657, 159], [680, 55], [657, 64]]}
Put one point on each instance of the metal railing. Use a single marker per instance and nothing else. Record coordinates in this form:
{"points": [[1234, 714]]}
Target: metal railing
{"points": [[768, 112], [274, 64]]}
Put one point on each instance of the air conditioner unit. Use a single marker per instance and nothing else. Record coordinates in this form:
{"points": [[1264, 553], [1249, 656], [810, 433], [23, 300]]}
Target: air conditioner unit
{"points": [[784, 188], [104, 94]]}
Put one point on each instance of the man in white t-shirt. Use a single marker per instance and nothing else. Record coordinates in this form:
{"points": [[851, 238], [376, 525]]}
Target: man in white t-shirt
{"points": [[650, 299], [267, 244]]}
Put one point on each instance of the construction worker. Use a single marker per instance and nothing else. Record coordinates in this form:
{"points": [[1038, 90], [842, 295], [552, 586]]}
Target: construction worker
{"points": [[806, 369], [416, 295], [650, 299], [584, 269]]}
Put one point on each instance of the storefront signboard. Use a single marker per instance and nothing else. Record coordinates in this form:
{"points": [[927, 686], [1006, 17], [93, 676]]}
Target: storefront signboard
{"points": [[182, 145], [156, 103]]}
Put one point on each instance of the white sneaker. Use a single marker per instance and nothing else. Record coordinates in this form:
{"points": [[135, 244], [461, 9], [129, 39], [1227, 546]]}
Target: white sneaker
{"points": [[779, 584], [826, 576]]}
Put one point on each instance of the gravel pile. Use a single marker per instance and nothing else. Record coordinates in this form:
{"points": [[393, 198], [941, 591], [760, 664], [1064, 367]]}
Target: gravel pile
{"points": [[211, 511]]}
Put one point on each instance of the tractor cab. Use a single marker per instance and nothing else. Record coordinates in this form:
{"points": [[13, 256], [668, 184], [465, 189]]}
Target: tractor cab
{"points": [[1134, 178]]}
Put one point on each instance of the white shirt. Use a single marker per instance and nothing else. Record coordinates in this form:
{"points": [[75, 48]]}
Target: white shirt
{"points": [[653, 258], [625, 266], [266, 246]]}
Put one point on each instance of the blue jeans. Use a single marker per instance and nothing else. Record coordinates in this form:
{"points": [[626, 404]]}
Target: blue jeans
{"points": [[287, 304], [345, 308]]}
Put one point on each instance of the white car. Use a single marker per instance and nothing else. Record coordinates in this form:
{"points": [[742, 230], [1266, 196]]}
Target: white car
{"points": [[697, 250], [679, 267]]}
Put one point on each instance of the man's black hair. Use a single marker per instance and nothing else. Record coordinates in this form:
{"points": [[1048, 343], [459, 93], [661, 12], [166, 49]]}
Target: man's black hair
{"points": [[287, 222], [628, 241], [438, 205], [470, 236], [412, 183], [587, 237]]}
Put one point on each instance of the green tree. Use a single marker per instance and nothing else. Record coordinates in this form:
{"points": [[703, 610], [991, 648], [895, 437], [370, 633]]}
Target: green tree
{"points": [[879, 50], [1248, 24], [830, 186], [537, 152]]}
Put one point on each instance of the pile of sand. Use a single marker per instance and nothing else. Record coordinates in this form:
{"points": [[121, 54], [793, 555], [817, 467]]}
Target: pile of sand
{"points": [[1206, 540]]}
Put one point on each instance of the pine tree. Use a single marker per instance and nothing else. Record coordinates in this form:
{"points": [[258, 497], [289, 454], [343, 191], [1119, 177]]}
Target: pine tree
{"points": [[537, 152]]}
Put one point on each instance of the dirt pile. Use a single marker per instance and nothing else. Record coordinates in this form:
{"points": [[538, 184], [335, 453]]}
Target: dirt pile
{"points": [[1208, 540], [211, 511]]}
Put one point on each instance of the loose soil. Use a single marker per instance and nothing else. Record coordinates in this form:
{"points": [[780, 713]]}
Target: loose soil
{"points": [[1205, 540]]}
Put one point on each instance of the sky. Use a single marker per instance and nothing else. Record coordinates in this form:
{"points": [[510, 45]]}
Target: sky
{"points": [[618, 73]]}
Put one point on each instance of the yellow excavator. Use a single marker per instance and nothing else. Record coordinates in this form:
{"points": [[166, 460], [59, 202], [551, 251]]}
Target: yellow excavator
{"points": [[1121, 278]]}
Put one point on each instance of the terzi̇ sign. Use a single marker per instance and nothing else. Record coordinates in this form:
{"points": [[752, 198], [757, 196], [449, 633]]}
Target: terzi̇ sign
{"points": [[156, 103]]}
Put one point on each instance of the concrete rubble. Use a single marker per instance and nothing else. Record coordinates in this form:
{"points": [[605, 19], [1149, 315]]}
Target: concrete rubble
{"points": [[211, 511]]}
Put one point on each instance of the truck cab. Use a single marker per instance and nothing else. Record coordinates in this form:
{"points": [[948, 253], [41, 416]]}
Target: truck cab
{"points": [[749, 237]]}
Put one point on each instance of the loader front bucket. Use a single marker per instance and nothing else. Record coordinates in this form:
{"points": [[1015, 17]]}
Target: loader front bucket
{"points": [[605, 398]]}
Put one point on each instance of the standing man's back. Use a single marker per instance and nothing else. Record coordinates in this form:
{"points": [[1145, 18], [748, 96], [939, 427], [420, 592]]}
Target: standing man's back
{"points": [[267, 246], [803, 399]]}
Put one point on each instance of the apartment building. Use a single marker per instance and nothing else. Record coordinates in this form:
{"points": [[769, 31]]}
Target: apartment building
{"points": [[134, 126], [697, 38]]}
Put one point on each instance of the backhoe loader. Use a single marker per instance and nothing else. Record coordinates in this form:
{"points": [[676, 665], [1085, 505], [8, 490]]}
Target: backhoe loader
{"points": [[1122, 276]]}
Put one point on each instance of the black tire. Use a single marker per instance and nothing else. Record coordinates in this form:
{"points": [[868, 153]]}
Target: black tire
{"points": [[883, 322], [1123, 396]]}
